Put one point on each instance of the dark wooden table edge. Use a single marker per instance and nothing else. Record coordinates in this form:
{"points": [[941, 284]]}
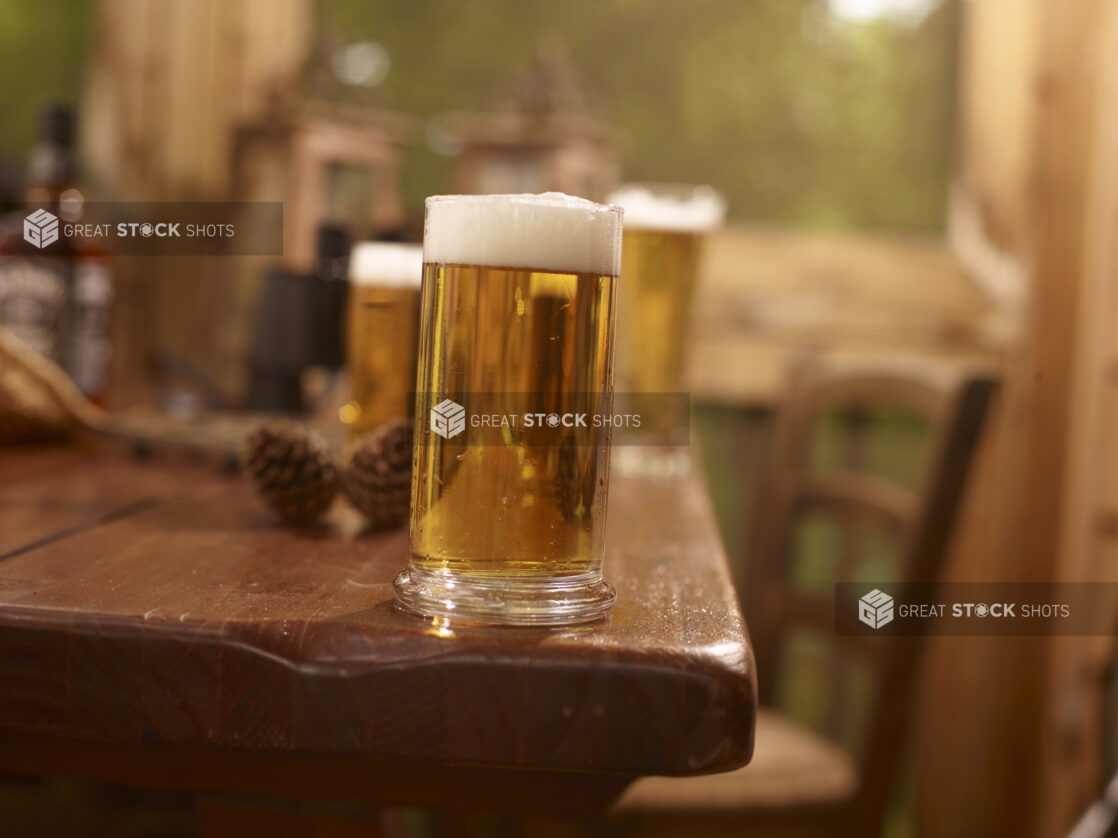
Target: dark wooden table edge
{"points": [[727, 677]]}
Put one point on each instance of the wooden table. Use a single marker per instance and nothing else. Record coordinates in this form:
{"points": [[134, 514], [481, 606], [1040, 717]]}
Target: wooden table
{"points": [[157, 629]]}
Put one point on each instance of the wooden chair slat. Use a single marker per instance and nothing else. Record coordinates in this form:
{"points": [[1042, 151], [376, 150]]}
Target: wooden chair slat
{"points": [[853, 494]]}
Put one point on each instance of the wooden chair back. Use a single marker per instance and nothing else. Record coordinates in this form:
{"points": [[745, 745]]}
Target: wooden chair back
{"points": [[953, 403]]}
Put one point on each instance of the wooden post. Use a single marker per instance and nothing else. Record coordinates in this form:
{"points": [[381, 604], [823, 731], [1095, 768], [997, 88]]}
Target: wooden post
{"points": [[1079, 667], [168, 83], [1029, 155], [169, 80]]}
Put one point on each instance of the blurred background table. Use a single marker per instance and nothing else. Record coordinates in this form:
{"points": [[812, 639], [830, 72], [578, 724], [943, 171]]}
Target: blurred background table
{"points": [[158, 630]]}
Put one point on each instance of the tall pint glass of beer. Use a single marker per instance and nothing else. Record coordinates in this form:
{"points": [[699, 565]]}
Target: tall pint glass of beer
{"points": [[382, 325], [516, 342], [665, 228]]}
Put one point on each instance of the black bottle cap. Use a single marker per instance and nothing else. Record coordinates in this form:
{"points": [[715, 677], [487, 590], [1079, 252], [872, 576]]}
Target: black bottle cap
{"points": [[56, 124], [333, 241]]}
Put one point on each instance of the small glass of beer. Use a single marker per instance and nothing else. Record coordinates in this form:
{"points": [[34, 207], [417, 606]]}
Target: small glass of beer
{"points": [[382, 329], [665, 227], [516, 325]]}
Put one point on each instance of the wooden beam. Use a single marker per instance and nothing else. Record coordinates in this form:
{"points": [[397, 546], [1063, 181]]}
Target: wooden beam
{"points": [[168, 83], [1075, 758], [1033, 209], [988, 212]]}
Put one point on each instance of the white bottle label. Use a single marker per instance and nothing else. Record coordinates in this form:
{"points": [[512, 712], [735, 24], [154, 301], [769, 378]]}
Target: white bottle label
{"points": [[33, 303]]}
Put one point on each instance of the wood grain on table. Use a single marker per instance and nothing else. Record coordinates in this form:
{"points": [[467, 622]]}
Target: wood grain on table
{"points": [[154, 610]]}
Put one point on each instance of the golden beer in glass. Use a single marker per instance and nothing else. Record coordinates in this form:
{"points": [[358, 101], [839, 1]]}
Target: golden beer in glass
{"points": [[382, 332], [665, 228], [517, 314]]}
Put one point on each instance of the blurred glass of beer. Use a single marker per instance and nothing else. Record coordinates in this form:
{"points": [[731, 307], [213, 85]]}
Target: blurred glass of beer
{"points": [[518, 300], [382, 332], [665, 225]]}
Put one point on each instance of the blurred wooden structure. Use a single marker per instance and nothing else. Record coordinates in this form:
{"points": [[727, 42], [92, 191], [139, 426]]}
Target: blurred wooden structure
{"points": [[1034, 218], [540, 136], [205, 100], [327, 162], [800, 784], [170, 81], [1080, 701], [769, 296], [169, 85]]}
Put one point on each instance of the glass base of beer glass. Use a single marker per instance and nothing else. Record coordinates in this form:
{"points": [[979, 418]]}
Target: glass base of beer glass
{"points": [[659, 462], [506, 601]]}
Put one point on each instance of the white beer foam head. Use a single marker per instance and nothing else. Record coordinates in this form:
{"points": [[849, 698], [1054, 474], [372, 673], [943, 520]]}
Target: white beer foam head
{"points": [[548, 232], [670, 207], [386, 264]]}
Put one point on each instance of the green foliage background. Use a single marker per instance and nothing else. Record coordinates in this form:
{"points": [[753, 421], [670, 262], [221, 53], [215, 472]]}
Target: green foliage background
{"points": [[43, 46], [800, 118]]}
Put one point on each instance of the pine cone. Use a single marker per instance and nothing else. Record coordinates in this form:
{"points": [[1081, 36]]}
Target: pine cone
{"points": [[376, 476], [293, 471]]}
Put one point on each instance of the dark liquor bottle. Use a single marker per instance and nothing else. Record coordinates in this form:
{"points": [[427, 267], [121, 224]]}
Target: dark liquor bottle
{"points": [[36, 259], [56, 290]]}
